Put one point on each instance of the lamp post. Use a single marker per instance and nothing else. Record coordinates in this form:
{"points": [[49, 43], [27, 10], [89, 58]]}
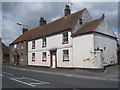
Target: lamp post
{"points": [[22, 25], [25, 29]]}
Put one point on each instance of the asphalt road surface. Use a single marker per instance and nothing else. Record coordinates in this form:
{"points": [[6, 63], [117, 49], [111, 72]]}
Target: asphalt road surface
{"points": [[14, 78]]}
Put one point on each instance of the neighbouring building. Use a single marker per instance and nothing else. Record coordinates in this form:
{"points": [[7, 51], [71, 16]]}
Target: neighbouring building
{"points": [[73, 41], [4, 53], [18, 51], [118, 53]]}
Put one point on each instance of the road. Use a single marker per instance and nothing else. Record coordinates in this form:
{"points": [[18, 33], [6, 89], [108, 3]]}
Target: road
{"points": [[14, 78]]}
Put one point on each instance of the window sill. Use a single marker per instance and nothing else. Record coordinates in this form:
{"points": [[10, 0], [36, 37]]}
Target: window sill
{"points": [[44, 60], [65, 60], [43, 46], [65, 42]]}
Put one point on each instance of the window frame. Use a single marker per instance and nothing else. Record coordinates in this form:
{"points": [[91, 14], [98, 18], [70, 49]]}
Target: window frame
{"points": [[67, 55], [33, 56], [21, 45], [80, 21], [43, 56], [33, 44], [44, 42], [15, 46], [65, 35], [21, 56]]}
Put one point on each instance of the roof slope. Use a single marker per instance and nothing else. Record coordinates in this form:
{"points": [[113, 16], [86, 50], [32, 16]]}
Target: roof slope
{"points": [[51, 28], [89, 26]]}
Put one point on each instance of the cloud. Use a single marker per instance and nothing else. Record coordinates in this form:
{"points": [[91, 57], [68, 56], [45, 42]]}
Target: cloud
{"points": [[29, 13]]}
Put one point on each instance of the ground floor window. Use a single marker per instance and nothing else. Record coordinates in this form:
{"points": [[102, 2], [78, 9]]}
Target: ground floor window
{"points": [[44, 56], [33, 56], [65, 55], [21, 56]]}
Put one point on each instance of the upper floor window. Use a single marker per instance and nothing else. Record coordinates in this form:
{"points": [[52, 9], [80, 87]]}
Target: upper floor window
{"points": [[44, 56], [15, 45], [65, 37], [80, 21], [44, 43], [22, 45], [65, 55], [33, 56], [33, 44]]}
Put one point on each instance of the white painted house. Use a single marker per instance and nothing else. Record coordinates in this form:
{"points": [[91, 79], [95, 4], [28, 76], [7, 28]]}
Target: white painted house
{"points": [[74, 41]]}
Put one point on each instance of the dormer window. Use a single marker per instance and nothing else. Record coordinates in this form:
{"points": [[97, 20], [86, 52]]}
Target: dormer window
{"points": [[33, 44], [80, 21], [44, 43]]}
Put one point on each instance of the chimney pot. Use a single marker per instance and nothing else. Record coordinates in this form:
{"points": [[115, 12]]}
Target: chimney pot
{"points": [[67, 10], [25, 30], [42, 21]]}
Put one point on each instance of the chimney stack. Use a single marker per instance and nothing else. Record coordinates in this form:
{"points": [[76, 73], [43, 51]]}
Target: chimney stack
{"points": [[25, 30], [103, 16], [67, 10], [42, 21]]}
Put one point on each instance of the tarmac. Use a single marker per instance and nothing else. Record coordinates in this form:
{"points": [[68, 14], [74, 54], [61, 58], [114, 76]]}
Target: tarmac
{"points": [[110, 72]]}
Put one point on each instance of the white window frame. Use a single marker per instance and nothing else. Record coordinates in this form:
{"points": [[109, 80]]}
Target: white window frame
{"points": [[44, 56], [33, 44], [65, 38], [33, 56], [22, 45], [44, 42], [21, 56], [15, 45], [66, 54]]}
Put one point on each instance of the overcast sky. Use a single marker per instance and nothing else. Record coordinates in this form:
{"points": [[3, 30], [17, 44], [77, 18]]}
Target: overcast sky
{"points": [[28, 13]]}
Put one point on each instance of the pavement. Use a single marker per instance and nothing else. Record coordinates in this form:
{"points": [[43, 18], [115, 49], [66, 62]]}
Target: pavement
{"points": [[39, 77]]}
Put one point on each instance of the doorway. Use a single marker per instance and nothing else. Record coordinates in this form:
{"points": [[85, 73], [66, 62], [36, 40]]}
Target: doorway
{"points": [[53, 61]]}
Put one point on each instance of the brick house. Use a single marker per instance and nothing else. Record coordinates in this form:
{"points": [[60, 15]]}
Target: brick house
{"points": [[4, 53], [18, 51]]}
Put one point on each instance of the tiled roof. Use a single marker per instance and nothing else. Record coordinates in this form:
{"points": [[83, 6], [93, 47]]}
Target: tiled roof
{"points": [[51, 28], [89, 27]]}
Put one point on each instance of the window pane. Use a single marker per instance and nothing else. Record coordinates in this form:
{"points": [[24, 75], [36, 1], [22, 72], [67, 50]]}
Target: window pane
{"points": [[44, 56], [65, 37], [33, 56], [33, 44], [44, 42], [65, 55]]}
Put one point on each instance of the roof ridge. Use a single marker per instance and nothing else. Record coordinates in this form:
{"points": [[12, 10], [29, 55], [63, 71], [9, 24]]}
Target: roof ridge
{"points": [[64, 17]]}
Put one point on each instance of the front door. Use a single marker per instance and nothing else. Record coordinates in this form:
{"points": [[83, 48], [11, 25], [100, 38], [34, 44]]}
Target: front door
{"points": [[17, 60], [53, 59]]}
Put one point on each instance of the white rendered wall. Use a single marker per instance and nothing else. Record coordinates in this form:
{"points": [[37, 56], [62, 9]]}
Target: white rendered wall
{"points": [[109, 47], [82, 46], [53, 42]]}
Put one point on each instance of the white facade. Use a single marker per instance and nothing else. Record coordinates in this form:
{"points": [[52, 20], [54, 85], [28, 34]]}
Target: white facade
{"points": [[53, 43], [82, 47], [95, 50]]}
